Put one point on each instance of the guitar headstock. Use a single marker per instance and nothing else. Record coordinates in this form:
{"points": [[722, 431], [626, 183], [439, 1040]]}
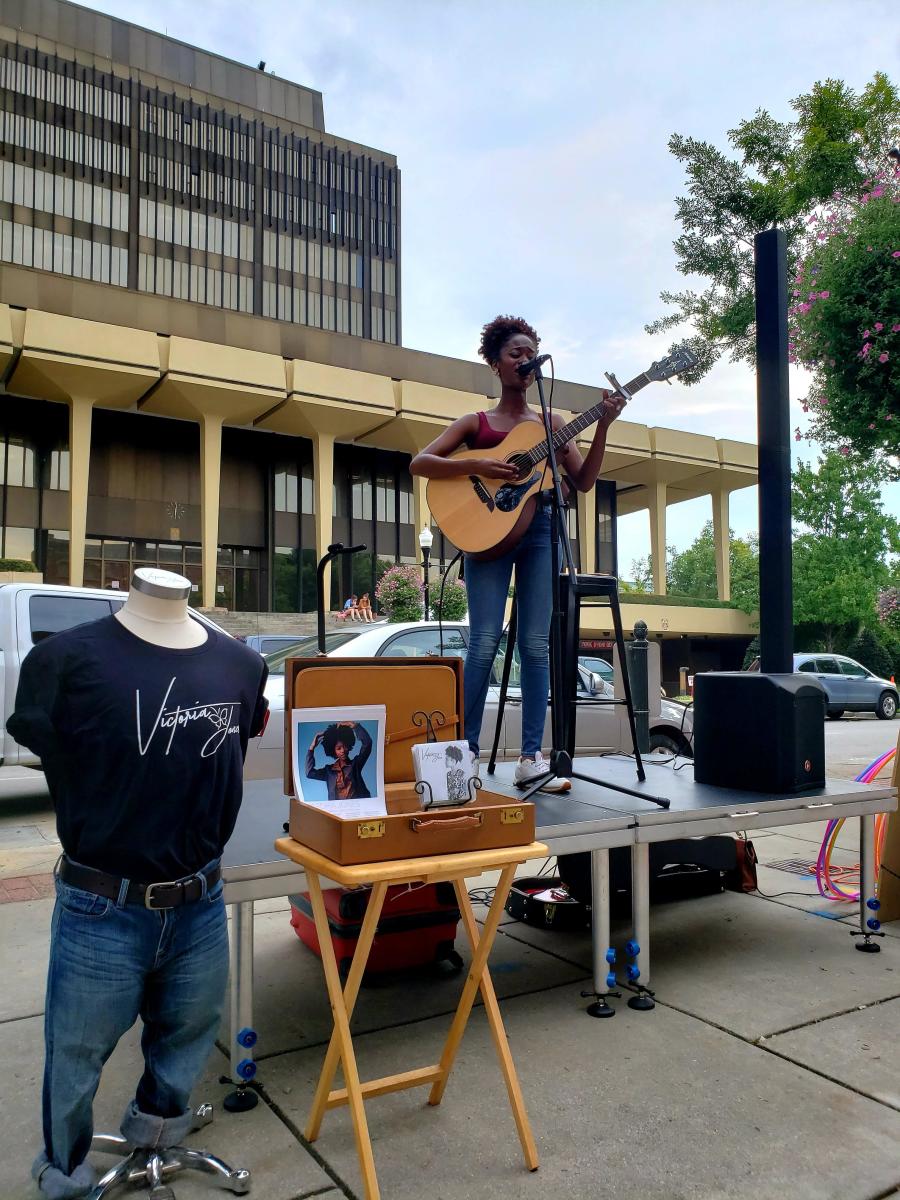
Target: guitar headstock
{"points": [[681, 359]]}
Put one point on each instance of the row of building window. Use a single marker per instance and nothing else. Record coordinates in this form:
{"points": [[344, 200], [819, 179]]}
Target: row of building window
{"points": [[45, 83], [308, 306], [384, 324], [290, 209], [63, 196], [63, 253], [70, 145], [191, 281], [191, 180], [19, 465], [310, 258], [197, 230], [230, 137]]}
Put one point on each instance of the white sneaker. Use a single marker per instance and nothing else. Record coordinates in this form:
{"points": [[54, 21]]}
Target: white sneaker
{"points": [[528, 770]]}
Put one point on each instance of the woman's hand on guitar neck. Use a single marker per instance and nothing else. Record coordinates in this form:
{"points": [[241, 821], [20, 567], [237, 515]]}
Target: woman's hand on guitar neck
{"points": [[614, 402]]}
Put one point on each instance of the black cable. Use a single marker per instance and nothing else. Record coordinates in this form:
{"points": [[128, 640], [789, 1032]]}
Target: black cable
{"points": [[456, 557]]}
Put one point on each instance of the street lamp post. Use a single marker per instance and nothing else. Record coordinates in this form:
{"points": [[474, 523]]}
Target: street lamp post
{"points": [[426, 538]]}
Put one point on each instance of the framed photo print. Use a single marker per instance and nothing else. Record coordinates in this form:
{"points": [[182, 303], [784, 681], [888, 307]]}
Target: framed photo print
{"points": [[338, 756]]}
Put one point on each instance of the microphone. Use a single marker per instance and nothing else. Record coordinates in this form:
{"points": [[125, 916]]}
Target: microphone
{"points": [[526, 368]]}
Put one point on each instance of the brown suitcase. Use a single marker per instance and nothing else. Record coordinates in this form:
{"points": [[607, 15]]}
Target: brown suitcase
{"points": [[407, 831], [413, 692]]}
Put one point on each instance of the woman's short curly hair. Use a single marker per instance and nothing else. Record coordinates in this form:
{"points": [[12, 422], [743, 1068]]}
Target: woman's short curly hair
{"points": [[497, 333], [338, 733]]}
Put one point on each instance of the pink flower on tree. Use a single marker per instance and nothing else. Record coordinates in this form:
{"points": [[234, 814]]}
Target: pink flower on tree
{"points": [[883, 357], [845, 450], [878, 327]]}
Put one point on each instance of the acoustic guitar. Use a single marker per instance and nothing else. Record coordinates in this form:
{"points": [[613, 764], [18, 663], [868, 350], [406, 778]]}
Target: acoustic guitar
{"points": [[488, 517]]}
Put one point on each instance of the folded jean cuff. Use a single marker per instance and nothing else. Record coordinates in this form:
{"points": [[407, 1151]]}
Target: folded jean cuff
{"points": [[145, 1129], [56, 1185]]}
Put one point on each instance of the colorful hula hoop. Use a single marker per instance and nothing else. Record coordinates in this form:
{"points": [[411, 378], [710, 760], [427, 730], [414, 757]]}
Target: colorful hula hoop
{"points": [[827, 877]]}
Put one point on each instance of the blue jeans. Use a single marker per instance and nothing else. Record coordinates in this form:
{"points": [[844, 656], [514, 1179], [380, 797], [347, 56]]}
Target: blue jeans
{"points": [[111, 962], [487, 586]]}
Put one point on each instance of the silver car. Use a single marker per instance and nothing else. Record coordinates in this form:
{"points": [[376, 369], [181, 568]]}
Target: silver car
{"points": [[602, 728], [850, 686]]}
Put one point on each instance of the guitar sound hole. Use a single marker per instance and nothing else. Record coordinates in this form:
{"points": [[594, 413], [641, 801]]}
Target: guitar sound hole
{"points": [[519, 462]]}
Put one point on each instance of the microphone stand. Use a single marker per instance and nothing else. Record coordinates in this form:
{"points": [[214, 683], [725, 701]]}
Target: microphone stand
{"points": [[563, 641]]}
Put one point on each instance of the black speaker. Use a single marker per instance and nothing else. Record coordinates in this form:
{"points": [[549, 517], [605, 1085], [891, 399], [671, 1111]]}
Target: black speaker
{"points": [[759, 733]]}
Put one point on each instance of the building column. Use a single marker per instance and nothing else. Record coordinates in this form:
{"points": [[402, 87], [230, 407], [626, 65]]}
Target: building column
{"points": [[721, 538], [421, 511], [587, 530], [210, 477], [323, 484], [80, 412], [658, 536]]}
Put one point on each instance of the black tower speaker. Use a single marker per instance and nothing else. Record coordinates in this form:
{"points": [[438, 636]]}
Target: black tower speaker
{"points": [[759, 733]]}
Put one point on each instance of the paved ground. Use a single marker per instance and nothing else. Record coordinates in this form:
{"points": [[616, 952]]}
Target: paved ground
{"points": [[768, 1071]]}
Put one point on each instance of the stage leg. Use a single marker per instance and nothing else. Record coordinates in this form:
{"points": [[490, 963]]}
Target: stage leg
{"points": [[638, 948], [867, 884]]}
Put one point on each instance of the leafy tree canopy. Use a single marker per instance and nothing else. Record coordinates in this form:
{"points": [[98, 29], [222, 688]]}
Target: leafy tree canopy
{"points": [[778, 174]]}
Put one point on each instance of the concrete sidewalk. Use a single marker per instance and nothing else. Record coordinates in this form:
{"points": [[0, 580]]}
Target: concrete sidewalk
{"points": [[770, 1069]]}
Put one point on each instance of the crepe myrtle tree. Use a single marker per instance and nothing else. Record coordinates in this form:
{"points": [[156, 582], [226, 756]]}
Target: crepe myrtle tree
{"points": [[845, 320], [399, 594]]}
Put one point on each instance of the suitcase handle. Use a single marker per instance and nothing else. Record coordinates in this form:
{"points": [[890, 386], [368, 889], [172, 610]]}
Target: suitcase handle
{"points": [[466, 821]]}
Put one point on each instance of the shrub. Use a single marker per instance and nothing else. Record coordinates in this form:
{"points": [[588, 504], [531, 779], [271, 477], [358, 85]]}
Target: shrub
{"points": [[867, 648], [16, 564], [399, 594], [456, 602]]}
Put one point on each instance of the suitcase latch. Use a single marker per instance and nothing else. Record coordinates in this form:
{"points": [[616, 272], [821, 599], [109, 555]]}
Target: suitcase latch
{"points": [[512, 816], [370, 829]]}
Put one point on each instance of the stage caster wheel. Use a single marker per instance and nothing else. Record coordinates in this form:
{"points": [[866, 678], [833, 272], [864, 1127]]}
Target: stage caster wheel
{"points": [[241, 1100], [600, 1008], [642, 1003], [868, 947]]}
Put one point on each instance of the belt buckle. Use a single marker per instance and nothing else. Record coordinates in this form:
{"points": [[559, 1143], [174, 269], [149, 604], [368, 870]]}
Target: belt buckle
{"points": [[151, 888]]}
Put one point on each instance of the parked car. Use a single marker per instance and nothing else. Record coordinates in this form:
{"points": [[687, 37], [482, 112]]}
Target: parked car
{"points": [[30, 612], [271, 643], [850, 687], [602, 728]]}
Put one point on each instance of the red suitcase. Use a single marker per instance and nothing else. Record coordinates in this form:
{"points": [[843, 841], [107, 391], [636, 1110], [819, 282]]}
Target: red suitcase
{"points": [[417, 926]]}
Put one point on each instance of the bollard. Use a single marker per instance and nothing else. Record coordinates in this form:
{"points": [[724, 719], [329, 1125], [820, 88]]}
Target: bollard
{"points": [[636, 657]]}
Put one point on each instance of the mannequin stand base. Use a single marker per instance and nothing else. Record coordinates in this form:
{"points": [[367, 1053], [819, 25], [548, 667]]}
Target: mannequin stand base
{"points": [[144, 1166], [642, 1002], [868, 947]]}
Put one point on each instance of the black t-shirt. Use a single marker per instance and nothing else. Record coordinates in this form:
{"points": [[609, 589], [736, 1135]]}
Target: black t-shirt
{"points": [[143, 747]]}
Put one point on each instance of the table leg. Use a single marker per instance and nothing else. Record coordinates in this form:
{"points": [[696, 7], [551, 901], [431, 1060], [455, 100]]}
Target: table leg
{"points": [[498, 1032], [351, 991], [342, 1032], [241, 993]]}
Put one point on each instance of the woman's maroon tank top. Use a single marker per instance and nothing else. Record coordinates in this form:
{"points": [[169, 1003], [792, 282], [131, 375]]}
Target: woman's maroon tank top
{"points": [[487, 437]]}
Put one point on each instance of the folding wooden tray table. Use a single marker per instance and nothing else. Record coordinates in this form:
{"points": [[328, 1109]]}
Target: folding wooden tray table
{"points": [[455, 868]]}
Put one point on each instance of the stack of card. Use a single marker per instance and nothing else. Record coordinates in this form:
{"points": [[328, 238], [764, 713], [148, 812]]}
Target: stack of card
{"points": [[447, 768]]}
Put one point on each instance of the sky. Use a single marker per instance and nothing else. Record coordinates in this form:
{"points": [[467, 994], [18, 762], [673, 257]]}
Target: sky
{"points": [[536, 179]]}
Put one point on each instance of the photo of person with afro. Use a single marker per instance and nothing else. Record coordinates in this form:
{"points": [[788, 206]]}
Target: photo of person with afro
{"points": [[343, 776]]}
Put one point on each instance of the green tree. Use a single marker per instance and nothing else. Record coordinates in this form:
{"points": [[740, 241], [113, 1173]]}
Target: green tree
{"points": [[841, 548], [692, 572], [779, 172]]}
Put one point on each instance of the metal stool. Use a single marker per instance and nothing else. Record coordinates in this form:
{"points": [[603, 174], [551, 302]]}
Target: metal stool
{"points": [[145, 1166]]}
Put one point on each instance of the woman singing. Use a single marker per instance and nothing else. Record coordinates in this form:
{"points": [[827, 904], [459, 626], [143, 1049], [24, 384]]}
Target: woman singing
{"points": [[506, 342]]}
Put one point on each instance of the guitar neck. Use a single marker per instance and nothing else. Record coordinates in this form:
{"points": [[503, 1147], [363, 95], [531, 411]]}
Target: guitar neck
{"points": [[580, 423]]}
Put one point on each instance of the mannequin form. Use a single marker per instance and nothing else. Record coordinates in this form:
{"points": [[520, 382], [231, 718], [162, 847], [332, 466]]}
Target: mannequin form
{"points": [[157, 610], [141, 721]]}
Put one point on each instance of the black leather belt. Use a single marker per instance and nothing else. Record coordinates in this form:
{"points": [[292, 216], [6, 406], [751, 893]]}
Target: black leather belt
{"points": [[171, 894]]}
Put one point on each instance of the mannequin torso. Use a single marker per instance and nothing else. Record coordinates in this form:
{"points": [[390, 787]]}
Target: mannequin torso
{"points": [[157, 610]]}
